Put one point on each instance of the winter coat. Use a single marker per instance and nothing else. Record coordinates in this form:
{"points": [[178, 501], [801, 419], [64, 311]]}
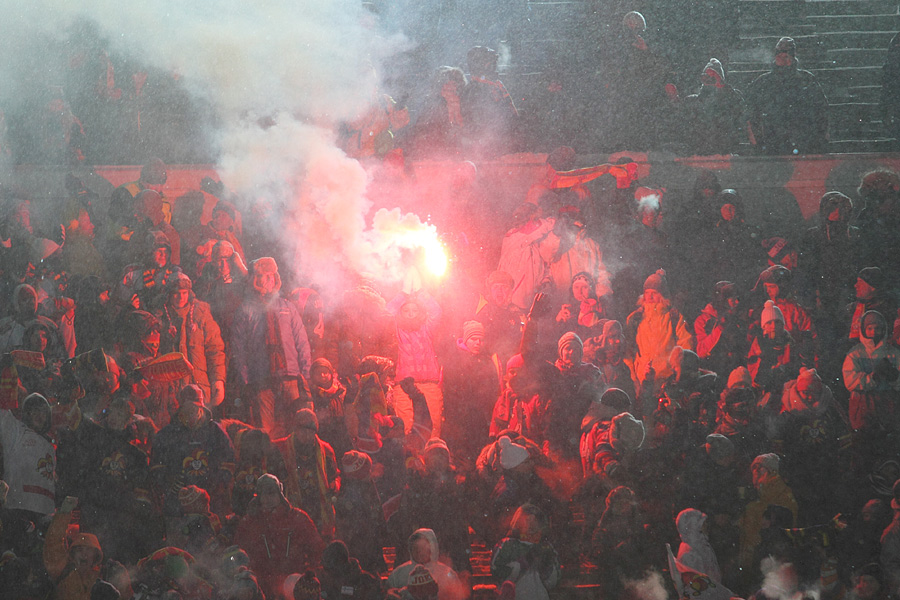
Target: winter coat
{"points": [[695, 551], [201, 456], [471, 387], [774, 491], [310, 482], [72, 584], [251, 357], [29, 466], [788, 111], [525, 416], [446, 578], [872, 397], [715, 114], [360, 522], [651, 334], [279, 543], [773, 362], [416, 356], [520, 256], [196, 336], [331, 412], [534, 568]]}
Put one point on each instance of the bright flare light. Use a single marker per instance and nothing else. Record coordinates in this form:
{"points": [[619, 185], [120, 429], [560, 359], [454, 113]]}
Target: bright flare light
{"points": [[434, 256]]}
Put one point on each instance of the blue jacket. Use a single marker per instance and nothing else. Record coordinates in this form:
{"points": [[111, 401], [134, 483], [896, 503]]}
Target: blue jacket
{"points": [[248, 342]]}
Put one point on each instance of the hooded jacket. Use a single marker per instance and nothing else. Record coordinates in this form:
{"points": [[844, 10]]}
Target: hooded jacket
{"points": [[695, 551], [29, 462], [446, 578], [872, 396]]}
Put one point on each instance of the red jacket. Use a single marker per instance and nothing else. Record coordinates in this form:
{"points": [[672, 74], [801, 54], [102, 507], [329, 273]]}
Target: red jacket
{"points": [[279, 543]]}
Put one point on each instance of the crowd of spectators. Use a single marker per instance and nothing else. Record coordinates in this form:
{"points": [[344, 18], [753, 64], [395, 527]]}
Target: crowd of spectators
{"points": [[178, 415]]}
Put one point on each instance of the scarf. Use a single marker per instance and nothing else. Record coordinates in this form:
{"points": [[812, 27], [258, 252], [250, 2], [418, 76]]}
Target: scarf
{"points": [[326, 511], [274, 345]]}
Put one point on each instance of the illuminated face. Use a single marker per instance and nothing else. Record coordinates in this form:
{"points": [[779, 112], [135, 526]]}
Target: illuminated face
{"points": [[727, 211], [321, 377], [269, 499], [864, 291], [151, 343], [421, 551], [760, 474], [82, 557], [581, 291], [808, 390], [874, 329], [223, 265], [180, 298], [38, 340], [190, 413], [783, 59], [772, 328], [500, 293], [733, 302], [264, 282], [652, 296], [474, 343], [570, 354], [772, 290], [160, 257], [410, 311]]}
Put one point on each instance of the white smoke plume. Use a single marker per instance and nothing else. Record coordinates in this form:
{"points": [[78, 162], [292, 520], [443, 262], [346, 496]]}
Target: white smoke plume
{"points": [[651, 587], [279, 75]]}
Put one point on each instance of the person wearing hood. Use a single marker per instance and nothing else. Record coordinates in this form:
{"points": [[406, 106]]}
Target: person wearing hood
{"points": [[521, 256], [695, 551], [270, 349], [787, 109], [830, 253], [329, 402], [74, 566], [596, 423], [812, 429], [879, 221], [736, 247], [279, 538], [29, 459], [13, 327], [721, 330], [142, 284], [714, 113], [187, 326], [652, 331], [872, 377], [424, 551], [873, 292], [192, 450], [472, 384]]}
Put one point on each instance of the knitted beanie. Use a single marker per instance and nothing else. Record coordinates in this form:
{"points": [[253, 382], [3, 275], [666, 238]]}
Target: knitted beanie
{"points": [[307, 587], [873, 276], [771, 313], [471, 329], [356, 465], [307, 419], [626, 432], [193, 500], [658, 282], [570, 338]]}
